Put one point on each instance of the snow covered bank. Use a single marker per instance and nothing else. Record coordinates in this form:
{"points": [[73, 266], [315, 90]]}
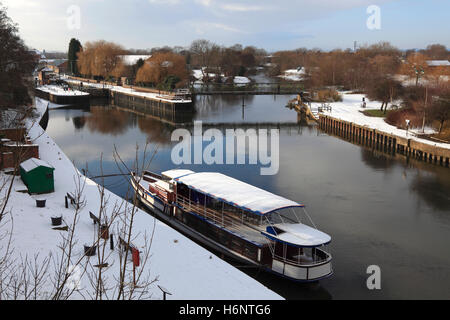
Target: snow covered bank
{"points": [[350, 109], [187, 270]]}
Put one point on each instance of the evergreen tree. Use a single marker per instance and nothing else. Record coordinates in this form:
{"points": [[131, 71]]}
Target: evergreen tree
{"points": [[16, 65], [74, 48]]}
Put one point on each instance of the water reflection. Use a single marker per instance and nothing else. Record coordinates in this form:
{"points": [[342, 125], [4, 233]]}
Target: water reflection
{"points": [[433, 189], [379, 208]]}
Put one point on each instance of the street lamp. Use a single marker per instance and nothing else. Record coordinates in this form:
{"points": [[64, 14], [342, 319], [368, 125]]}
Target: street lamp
{"points": [[419, 72]]}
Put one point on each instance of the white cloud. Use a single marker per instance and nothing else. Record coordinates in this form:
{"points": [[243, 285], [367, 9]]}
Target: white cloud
{"points": [[205, 27], [170, 2], [205, 3], [242, 8]]}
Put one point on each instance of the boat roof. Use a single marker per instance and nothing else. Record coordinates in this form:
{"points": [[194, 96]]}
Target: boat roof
{"points": [[235, 192], [177, 173], [34, 163], [302, 235]]}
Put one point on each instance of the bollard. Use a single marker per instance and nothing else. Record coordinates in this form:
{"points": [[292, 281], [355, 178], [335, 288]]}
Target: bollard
{"points": [[67, 202], [111, 243]]}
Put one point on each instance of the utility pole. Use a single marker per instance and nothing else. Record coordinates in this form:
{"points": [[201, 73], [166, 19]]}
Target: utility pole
{"points": [[425, 108]]}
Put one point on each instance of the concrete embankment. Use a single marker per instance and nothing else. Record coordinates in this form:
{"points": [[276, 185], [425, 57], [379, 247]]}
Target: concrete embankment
{"points": [[408, 147], [62, 98]]}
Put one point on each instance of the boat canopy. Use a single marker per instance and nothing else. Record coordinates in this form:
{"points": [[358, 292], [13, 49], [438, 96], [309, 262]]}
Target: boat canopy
{"points": [[300, 235], [235, 192], [177, 173]]}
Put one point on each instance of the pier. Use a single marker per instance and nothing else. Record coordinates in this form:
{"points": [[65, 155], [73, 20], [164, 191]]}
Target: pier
{"points": [[389, 142]]}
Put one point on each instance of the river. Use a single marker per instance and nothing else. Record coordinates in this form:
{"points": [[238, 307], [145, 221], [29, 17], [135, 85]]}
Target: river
{"points": [[379, 209]]}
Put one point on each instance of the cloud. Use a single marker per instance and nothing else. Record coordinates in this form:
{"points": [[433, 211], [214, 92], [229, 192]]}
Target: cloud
{"points": [[202, 28], [242, 8], [206, 3], [169, 2]]}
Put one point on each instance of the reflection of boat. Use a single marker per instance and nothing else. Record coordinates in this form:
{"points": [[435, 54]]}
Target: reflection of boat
{"points": [[239, 220]]}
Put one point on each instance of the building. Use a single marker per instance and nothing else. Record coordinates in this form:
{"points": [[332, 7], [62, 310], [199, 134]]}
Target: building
{"points": [[37, 176], [44, 75], [58, 66]]}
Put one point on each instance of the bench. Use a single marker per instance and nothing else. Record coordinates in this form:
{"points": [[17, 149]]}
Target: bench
{"points": [[72, 201], [94, 218]]}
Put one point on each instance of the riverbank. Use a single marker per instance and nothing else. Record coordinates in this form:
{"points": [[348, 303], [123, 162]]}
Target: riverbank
{"points": [[347, 118], [187, 270]]}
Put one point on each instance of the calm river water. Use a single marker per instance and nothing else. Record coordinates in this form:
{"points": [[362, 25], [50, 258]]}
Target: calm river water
{"points": [[378, 209]]}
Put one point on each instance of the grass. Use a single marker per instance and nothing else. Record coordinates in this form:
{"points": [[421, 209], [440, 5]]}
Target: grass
{"points": [[444, 135], [375, 113]]}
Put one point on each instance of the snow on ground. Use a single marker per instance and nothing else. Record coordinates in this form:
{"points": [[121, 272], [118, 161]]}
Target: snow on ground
{"points": [[198, 74], [59, 91], [241, 80], [294, 74], [186, 269], [350, 109]]}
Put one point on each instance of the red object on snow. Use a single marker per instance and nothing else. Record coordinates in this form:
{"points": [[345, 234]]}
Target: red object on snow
{"points": [[136, 257]]}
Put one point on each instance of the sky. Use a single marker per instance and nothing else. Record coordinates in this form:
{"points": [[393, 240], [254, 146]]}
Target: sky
{"points": [[269, 24]]}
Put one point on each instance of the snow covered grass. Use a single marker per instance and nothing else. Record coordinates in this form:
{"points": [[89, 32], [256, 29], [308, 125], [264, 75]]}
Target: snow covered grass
{"points": [[350, 109], [187, 270]]}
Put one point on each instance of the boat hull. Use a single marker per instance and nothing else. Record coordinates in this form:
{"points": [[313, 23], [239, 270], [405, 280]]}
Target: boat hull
{"points": [[168, 215]]}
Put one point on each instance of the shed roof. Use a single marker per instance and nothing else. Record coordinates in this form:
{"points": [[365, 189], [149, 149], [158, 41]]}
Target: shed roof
{"points": [[34, 163]]}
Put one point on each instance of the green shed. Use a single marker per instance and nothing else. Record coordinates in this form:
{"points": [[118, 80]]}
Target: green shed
{"points": [[37, 176]]}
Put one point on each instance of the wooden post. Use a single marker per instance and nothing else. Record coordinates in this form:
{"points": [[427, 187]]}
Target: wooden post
{"points": [[111, 242]]}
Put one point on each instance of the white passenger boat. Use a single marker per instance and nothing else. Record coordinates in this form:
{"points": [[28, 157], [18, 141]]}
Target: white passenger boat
{"points": [[239, 220]]}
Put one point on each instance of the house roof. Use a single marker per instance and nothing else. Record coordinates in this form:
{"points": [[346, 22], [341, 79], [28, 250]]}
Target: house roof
{"points": [[34, 163], [438, 63]]}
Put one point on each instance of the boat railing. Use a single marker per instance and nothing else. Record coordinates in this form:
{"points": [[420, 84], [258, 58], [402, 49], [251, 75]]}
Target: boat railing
{"points": [[226, 220], [152, 175], [217, 217]]}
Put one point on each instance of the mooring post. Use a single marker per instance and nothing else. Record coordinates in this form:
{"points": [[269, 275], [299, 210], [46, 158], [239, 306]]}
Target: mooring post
{"points": [[111, 242]]}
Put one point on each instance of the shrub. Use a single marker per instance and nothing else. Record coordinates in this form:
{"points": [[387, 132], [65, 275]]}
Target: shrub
{"points": [[398, 118]]}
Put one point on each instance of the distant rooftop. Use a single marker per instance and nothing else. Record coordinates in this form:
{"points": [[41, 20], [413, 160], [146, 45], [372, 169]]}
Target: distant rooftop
{"points": [[438, 63]]}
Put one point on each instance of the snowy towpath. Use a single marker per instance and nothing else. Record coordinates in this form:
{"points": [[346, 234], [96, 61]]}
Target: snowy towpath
{"points": [[186, 269]]}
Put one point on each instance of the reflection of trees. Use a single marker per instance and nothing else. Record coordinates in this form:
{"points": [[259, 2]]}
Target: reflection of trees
{"points": [[376, 159], [428, 183], [207, 103], [157, 131], [433, 189], [108, 120], [79, 122]]}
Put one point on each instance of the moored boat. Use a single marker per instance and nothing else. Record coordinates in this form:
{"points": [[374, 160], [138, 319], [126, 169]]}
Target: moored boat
{"points": [[239, 220]]}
